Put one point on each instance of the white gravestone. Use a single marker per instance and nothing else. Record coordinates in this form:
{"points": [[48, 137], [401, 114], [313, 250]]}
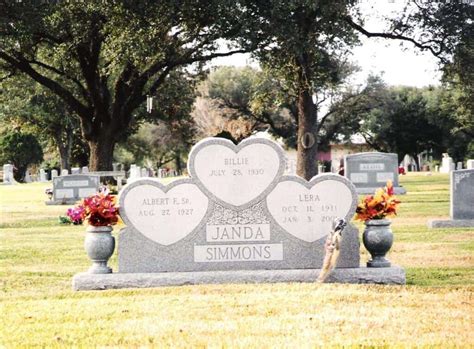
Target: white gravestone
{"points": [[144, 172], [64, 172], [459, 165], [85, 169], [54, 173], [75, 170], [43, 176], [470, 164], [28, 177], [8, 174], [447, 164], [134, 172]]}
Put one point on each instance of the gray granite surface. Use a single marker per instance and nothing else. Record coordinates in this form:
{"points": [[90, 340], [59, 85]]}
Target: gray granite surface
{"points": [[462, 194], [69, 189], [276, 222], [83, 281], [450, 223], [371, 170]]}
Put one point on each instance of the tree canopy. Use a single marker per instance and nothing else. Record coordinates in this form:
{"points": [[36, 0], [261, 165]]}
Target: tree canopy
{"points": [[103, 59]]}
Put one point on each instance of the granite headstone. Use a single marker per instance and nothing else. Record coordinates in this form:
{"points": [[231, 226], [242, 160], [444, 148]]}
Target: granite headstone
{"points": [[461, 202], [71, 188], [8, 174], [236, 219], [370, 171], [236, 212], [43, 176]]}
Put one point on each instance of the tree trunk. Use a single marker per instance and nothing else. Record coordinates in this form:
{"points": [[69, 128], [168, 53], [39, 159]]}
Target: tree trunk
{"points": [[307, 145], [417, 162], [64, 149], [101, 154], [178, 164]]}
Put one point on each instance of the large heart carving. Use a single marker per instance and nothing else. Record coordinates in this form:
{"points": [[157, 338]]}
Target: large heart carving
{"points": [[236, 175], [163, 214], [307, 210]]}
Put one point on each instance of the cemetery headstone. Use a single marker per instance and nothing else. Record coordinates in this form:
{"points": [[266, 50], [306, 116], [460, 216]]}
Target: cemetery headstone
{"points": [[64, 172], [54, 173], [28, 177], [370, 171], [447, 164], [8, 177], [117, 175], [237, 218], [135, 172], [85, 169], [470, 164], [459, 165], [144, 172], [71, 188], [461, 201], [43, 176], [75, 170]]}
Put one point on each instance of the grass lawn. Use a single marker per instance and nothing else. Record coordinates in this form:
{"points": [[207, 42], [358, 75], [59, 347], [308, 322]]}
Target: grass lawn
{"points": [[38, 258]]}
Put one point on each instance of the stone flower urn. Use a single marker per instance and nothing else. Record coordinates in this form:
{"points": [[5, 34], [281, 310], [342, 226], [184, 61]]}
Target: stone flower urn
{"points": [[378, 239], [99, 245]]}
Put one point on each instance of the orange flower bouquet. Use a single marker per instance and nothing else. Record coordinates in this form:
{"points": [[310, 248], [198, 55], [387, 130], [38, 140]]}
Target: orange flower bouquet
{"points": [[378, 206]]}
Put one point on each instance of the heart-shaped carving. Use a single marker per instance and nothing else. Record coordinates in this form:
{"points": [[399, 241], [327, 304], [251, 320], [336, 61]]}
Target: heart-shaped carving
{"points": [[236, 175], [307, 210], [163, 214]]}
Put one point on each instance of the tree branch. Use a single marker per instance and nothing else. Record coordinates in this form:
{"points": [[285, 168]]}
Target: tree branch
{"points": [[22, 64], [421, 46]]}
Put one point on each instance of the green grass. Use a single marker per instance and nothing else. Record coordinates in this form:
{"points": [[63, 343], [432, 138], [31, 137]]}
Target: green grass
{"points": [[38, 308]]}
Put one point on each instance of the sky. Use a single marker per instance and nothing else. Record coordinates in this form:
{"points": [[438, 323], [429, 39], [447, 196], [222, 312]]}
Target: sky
{"points": [[409, 67]]}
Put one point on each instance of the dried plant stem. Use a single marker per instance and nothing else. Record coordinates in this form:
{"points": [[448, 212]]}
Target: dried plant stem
{"points": [[332, 251]]}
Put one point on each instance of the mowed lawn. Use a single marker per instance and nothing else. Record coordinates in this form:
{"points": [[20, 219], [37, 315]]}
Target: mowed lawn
{"points": [[38, 258]]}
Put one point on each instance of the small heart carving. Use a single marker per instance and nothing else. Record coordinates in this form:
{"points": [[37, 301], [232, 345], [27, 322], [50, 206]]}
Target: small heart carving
{"points": [[164, 214], [307, 210], [236, 175]]}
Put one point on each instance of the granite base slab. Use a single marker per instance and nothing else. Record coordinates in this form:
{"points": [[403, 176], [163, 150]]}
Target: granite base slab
{"points": [[451, 223], [62, 202], [388, 276], [396, 190]]}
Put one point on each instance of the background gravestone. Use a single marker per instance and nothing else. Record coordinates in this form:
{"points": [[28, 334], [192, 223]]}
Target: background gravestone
{"points": [[71, 188], [462, 194], [461, 201], [43, 176], [370, 171], [8, 174]]}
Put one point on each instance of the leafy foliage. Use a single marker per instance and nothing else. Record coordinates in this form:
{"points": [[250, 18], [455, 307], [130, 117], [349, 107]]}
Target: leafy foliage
{"points": [[103, 59], [21, 150]]}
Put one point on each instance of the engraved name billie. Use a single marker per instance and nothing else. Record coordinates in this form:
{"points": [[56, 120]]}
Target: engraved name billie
{"points": [[238, 166]]}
